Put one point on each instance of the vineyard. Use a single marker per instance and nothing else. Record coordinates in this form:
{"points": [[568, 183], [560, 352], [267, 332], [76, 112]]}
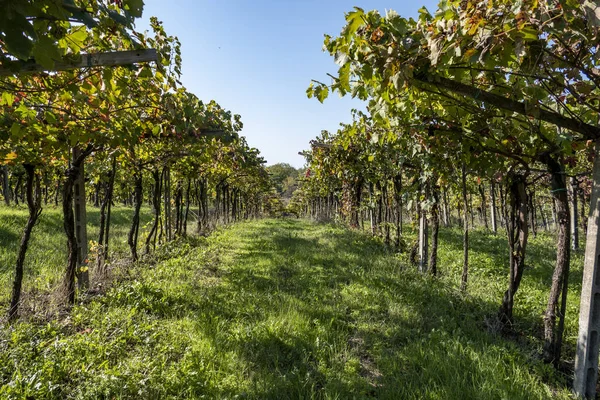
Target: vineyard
{"points": [[146, 250], [114, 135]]}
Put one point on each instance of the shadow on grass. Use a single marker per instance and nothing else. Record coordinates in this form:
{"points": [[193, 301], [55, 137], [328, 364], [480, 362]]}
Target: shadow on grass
{"points": [[47, 250], [7, 237], [489, 258], [540, 258], [321, 312], [294, 310]]}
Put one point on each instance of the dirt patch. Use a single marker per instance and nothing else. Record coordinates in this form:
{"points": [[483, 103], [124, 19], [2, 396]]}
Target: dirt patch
{"points": [[368, 367]]}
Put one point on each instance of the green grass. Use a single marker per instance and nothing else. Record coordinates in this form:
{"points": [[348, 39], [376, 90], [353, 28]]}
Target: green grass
{"points": [[282, 309], [47, 254], [489, 278]]}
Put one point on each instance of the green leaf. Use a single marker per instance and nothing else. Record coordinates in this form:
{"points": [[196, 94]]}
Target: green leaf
{"points": [[51, 118], [529, 33], [7, 99], [322, 92], [17, 43], [424, 14], [355, 20], [66, 96], [310, 92], [85, 18], [134, 7], [45, 52], [77, 38], [344, 79], [146, 72], [118, 18], [15, 130]]}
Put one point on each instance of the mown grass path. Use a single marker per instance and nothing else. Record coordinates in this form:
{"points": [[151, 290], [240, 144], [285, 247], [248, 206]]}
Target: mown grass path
{"points": [[276, 309]]}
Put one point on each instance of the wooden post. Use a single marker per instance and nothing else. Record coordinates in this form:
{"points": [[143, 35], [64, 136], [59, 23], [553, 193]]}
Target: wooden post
{"points": [[82, 61], [5, 186], [493, 207], [465, 272], [423, 242], [543, 215], [574, 228], [371, 209], [168, 204], [586, 358], [83, 279], [445, 207], [554, 213]]}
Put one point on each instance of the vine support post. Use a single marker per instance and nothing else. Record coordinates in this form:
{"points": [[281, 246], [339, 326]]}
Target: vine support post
{"points": [[435, 229], [574, 228], [71, 178], [423, 237], [371, 209], [423, 242], [446, 208], [5, 185], [167, 199], [465, 271], [586, 358], [493, 207]]}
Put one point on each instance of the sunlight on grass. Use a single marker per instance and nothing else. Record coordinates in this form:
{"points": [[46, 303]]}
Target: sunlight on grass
{"points": [[285, 309], [47, 254]]}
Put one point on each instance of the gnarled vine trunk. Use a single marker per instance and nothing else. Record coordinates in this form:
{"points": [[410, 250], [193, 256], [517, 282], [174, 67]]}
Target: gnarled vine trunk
{"points": [[105, 209], [151, 239], [517, 234], [552, 333], [138, 196], [33, 197]]}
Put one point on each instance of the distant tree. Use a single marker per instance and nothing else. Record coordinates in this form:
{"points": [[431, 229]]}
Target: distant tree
{"points": [[284, 178]]}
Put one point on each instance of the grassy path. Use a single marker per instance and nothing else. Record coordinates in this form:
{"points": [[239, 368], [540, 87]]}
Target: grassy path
{"points": [[273, 309]]}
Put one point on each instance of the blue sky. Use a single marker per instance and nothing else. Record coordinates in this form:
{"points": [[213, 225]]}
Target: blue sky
{"points": [[256, 58]]}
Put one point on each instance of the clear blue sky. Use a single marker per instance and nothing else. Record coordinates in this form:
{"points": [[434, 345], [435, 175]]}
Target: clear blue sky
{"points": [[256, 58]]}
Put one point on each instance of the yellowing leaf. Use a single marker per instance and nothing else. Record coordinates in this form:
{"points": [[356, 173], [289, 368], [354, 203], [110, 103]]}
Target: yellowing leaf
{"points": [[7, 99], [474, 27], [469, 53]]}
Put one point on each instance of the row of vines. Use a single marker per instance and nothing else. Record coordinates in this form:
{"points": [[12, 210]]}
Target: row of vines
{"points": [[130, 134], [478, 113]]}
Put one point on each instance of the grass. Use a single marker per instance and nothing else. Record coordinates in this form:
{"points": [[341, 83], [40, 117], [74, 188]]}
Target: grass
{"points": [[278, 309], [489, 279], [47, 254]]}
